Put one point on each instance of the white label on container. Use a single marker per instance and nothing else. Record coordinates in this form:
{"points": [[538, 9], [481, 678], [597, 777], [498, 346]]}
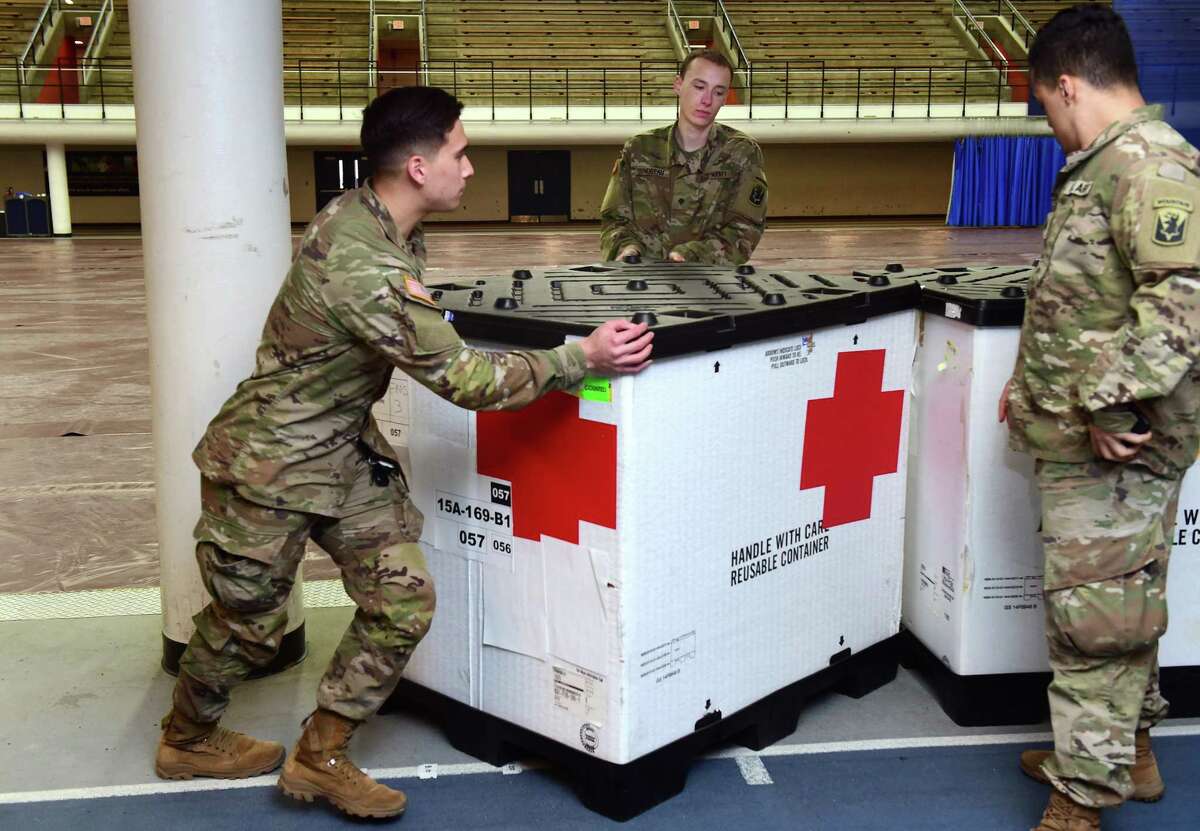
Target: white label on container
{"points": [[393, 412], [581, 693], [478, 529], [953, 311], [667, 659], [792, 354], [1018, 594]]}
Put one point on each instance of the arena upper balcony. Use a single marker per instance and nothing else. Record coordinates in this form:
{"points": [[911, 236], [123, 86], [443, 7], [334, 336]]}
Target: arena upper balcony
{"points": [[555, 70]]}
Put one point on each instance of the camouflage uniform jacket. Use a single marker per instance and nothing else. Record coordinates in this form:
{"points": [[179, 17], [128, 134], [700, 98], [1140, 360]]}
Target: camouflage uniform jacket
{"points": [[710, 205], [351, 308], [1113, 315]]}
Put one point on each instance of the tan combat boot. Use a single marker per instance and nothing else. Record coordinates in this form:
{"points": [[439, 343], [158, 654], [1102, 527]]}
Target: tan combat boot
{"points": [[1147, 783], [318, 767], [1062, 814], [189, 748]]}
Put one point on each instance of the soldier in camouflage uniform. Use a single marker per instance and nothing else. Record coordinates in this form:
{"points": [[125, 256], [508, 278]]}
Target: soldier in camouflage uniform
{"points": [[694, 191], [1105, 395], [295, 454]]}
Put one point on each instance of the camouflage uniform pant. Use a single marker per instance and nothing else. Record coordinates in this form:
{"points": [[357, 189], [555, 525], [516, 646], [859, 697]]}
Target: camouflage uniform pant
{"points": [[383, 571], [1103, 633]]}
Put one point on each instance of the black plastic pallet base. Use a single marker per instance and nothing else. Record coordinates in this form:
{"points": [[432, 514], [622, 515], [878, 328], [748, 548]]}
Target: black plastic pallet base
{"points": [[621, 792], [1020, 697]]}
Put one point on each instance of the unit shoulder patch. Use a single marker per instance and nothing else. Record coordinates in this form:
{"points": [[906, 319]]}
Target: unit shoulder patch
{"points": [[751, 201], [1171, 215]]}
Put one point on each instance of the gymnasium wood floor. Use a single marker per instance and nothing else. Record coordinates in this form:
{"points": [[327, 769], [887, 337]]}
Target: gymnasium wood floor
{"points": [[77, 492]]}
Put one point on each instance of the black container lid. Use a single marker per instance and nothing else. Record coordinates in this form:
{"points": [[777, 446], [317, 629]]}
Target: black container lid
{"points": [[690, 307], [981, 295]]}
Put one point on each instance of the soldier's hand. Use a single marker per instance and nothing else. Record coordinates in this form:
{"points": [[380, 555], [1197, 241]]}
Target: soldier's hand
{"points": [[1004, 401], [1116, 447], [628, 251], [676, 257], [617, 347]]}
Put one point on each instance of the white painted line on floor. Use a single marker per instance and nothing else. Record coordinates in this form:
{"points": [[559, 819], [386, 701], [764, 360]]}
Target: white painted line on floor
{"points": [[470, 768], [194, 785], [815, 748], [754, 771], [318, 594]]}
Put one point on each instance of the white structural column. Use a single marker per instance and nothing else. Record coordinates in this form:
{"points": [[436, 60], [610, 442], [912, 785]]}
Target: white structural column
{"points": [[208, 92], [60, 200]]}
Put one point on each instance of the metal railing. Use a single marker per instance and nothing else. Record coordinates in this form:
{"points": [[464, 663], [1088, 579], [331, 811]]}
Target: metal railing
{"points": [[974, 28], [1018, 22], [677, 26], [404, 9], [100, 28], [43, 30], [325, 89], [1021, 28], [724, 20], [372, 32], [975, 87], [424, 33]]}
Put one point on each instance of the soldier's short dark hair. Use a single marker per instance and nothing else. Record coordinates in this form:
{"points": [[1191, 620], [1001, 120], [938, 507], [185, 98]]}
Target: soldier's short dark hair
{"points": [[1088, 41], [405, 121], [711, 55]]}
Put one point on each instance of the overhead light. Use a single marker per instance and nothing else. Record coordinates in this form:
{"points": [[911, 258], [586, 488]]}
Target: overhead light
{"points": [[70, 2], [79, 43]]}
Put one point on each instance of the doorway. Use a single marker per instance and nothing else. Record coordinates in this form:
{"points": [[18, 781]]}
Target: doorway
{"points": [[337, 172], [539, 185]]}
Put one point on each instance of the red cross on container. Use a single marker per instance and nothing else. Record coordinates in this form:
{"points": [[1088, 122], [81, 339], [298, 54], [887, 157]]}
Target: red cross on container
{"points": [[563, 468], [853, 437]]}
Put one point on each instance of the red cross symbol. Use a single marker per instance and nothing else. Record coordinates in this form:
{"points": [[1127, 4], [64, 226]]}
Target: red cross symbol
{"points": [[563, 469], [852, 437]]}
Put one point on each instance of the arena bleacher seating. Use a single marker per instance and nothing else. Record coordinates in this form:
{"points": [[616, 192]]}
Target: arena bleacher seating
{"points": [[542, 52], [17, 19], [865, 51], [1038, 12], [604, 44]]}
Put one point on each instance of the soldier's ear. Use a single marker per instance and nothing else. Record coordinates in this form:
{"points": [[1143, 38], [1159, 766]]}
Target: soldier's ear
{"points": [[417, 169], [1067, 89], [678, 85]]}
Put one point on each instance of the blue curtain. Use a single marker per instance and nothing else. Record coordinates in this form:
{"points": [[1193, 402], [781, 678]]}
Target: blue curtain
{"points": [[1003, 180], [1165, 33]]}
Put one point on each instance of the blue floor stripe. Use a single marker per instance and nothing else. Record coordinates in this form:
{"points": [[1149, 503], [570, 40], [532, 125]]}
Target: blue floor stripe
{"points": [[977, 788]]}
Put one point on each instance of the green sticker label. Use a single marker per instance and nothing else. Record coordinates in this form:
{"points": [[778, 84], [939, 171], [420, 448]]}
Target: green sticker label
{"points": [[596, 389]]}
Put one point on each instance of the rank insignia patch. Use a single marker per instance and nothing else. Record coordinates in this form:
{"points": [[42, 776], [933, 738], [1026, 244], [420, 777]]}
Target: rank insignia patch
{"points": [[1171, 220]]}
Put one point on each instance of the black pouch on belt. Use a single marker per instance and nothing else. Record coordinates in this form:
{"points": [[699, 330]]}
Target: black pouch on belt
{"points": [[383, 469]]}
